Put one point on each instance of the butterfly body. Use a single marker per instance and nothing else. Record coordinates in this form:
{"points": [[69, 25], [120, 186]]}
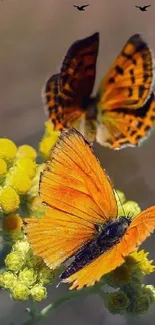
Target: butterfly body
{"points": [[105, 238], [127, 87]]}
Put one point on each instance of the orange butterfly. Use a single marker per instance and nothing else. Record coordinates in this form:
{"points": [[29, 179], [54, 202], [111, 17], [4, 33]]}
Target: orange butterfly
{"points": [[123, 111], [81, 218]]}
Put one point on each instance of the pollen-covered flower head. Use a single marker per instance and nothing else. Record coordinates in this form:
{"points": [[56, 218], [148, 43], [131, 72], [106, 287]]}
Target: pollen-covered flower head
{"points": [[8, 150], [9, 199], [26, 151], [48, 140]]}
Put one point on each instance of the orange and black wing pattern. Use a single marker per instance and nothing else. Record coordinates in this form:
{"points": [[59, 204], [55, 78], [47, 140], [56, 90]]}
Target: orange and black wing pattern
{"points": [[67, 94], [50, 95], [122, 128], [125, 98], [78, 195]]}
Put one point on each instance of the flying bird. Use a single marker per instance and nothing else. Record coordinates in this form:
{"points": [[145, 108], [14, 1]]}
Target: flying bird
{"points": [[143, 8], [81, 8]]}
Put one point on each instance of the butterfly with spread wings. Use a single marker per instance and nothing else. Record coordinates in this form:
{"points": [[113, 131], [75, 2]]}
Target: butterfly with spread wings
{"points": [[123, 111], [81, 219]]}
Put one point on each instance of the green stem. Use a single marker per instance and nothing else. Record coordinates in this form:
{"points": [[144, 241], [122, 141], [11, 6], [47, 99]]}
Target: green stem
{"points": [[51, 307]]}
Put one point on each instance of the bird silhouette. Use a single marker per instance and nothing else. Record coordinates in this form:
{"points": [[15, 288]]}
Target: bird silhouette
{"points": [[81, 8], [143, 8]]}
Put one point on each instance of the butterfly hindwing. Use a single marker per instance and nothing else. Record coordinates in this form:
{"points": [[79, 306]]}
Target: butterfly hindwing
{"points": [[139, 229], [130, 79], [122, 128]]}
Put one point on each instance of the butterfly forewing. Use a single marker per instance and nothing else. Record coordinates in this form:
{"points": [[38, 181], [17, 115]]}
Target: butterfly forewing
{"points": [[77, 194]]}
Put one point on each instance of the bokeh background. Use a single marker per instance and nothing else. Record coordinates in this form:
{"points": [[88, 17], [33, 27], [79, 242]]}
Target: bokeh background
{"points": [[34, 36]]}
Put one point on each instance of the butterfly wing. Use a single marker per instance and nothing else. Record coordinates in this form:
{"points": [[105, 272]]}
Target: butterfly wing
{"points": [[139, 229], [78, 195], [74, 84], [130, 79], [122, 128], [50, 96], [125, 98]]}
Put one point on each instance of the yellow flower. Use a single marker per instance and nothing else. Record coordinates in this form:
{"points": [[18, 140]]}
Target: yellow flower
{"points": [[49, 129], [8, 150], [26, 165], [131, 208], [14, 262], [26, 151], [38, 292], [20, 181], [9, 200], [140, 260], [45, 146], [8, 280], [20, 292], [12, 223], [27, 276], [21, 247], [48, 141]]}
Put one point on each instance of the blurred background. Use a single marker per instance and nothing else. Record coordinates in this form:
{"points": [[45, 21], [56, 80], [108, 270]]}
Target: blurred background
{"points": [[34, 36]]}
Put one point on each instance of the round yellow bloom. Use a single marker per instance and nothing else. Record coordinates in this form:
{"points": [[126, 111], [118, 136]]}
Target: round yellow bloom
{"points": [[27, 166], [21, 247], [3, 167], [27, 276], [14, 262], [12, 223], [8, 150], [8, 280], [21, 182], [46, 145], [38, 292], [9, 200], [20, 292], [27, 151]]}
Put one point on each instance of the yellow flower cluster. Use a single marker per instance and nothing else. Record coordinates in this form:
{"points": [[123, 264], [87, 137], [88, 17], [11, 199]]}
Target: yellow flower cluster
{"points": [[26, 275], [19, 172]]}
